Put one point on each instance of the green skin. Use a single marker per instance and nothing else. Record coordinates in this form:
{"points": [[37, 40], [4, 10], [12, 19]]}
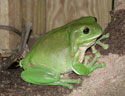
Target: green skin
{"points": [[61, 51]]}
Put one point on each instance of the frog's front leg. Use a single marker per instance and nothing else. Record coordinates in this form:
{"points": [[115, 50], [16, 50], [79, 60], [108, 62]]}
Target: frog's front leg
{"points": [[91, 65], [105, 46], [46, 76], [85, 69]]}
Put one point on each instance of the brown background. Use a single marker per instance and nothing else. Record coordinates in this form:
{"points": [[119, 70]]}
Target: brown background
{"points": [[47, 14]]}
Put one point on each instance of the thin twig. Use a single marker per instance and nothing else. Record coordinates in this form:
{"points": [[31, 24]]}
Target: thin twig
{"points": [[5, 27], [27, 36], [22, 36]]}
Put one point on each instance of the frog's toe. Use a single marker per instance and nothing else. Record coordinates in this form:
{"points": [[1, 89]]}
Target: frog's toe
{"points": [[98, 55], [70, 87], [104, 36], [106, 46], [107, 35], [102, 64], [79, 81]]}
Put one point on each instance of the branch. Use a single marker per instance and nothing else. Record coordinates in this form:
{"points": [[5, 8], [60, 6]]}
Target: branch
{"points": [[10, 29]]}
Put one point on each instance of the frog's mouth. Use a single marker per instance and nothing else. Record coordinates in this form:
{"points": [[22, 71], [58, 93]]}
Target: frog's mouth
{"points": [[91, 41]]}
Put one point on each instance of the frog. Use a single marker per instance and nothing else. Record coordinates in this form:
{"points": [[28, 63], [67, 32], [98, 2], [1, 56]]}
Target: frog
{"points": [[61, 51]]}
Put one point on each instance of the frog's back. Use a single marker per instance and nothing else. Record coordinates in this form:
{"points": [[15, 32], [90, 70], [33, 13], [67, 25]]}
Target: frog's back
{"points": [[51, 49]]}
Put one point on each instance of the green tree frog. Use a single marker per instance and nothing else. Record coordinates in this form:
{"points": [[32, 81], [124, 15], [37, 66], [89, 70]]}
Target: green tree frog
{"points": [[61, 51]]}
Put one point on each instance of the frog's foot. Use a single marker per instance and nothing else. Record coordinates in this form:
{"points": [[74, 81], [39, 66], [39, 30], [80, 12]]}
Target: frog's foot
{"points": [[105, 46], [91, 67], [65, 82], [46, 76]]}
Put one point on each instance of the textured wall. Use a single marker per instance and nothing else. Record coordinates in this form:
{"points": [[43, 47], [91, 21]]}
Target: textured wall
{"points": [[47, 14]]}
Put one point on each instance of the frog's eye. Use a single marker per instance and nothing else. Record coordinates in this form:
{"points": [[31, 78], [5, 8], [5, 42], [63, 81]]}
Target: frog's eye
{"points": [[86, 31], [95, 19]]}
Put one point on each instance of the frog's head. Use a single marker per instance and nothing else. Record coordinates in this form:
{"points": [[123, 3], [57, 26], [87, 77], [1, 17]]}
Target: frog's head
{"points": [[85, 31]]}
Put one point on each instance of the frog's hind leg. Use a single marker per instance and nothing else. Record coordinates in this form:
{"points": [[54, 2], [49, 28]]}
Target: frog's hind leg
{"points": [[40, 75], [46, 76]]}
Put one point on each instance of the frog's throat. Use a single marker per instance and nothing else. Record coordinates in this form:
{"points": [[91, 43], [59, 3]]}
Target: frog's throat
{"points": [[82, 50]]}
